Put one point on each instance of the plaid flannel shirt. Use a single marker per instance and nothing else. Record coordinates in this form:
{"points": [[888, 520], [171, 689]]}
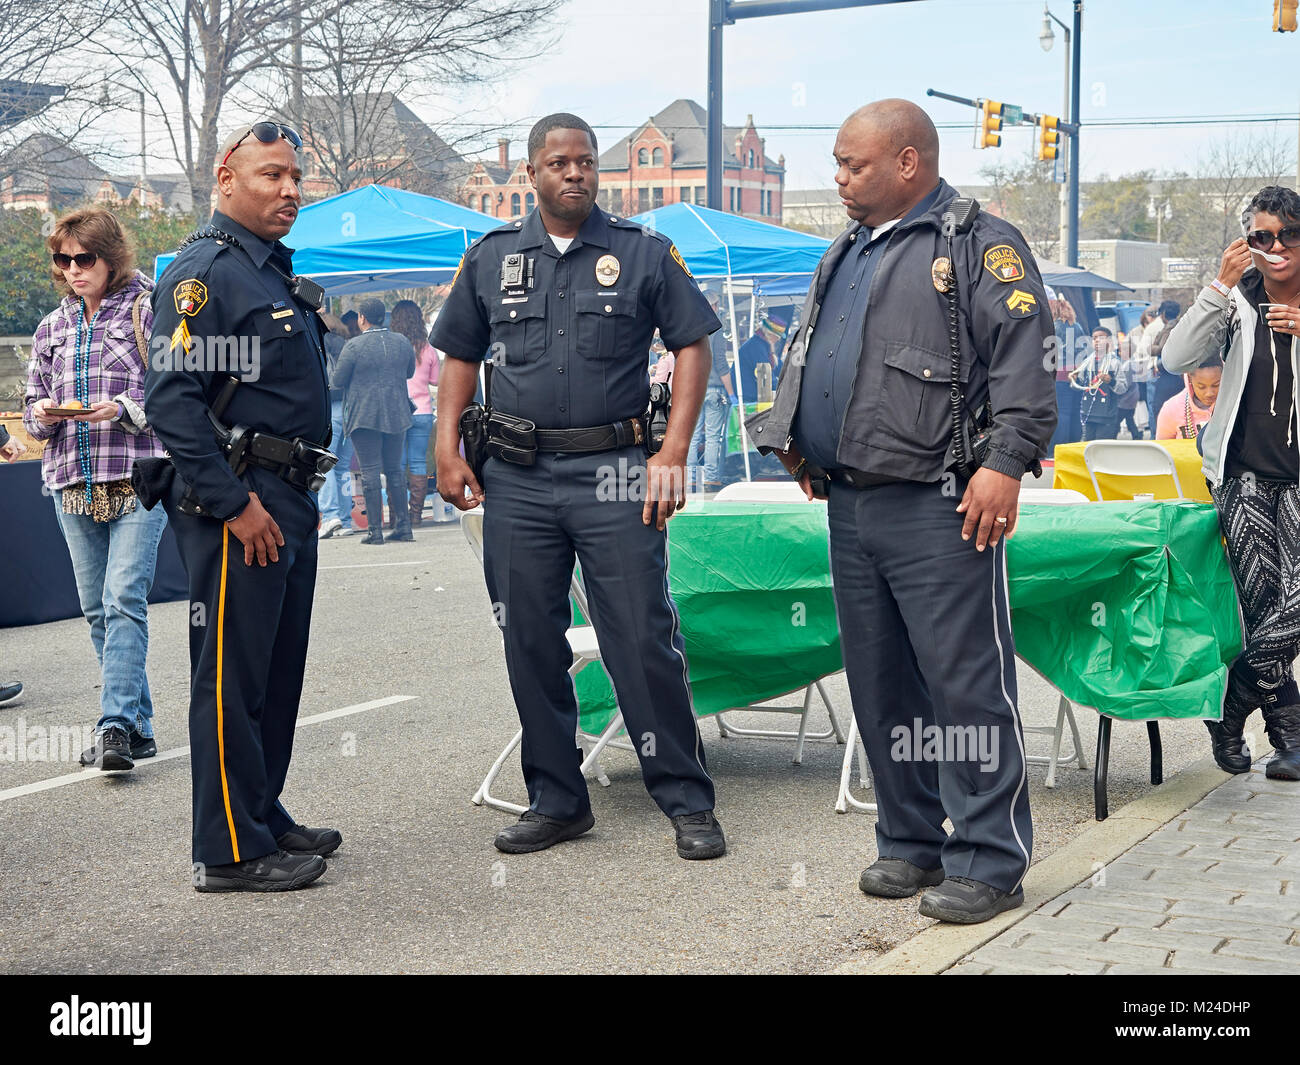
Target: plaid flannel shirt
{"points": [[116, 373]]}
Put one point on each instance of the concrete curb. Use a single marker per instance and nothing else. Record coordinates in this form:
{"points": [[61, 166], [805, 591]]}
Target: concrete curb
{"points": [[941, 946]]}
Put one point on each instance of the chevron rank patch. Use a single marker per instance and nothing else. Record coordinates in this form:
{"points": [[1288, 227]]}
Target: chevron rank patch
{"points": [[181, 336], [1021, 304], [1004, 263], [190, 296]]}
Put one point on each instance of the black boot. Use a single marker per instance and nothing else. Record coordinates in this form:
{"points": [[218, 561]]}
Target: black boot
{"points": [[1282, 723], [398, 507], [374, 510], [1227, 740]]}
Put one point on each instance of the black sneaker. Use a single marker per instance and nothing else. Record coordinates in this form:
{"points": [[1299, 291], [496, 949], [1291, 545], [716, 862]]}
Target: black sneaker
{"points": [[536, 832], [699, 836], [117, 751], [897, 878], [141, 747], [280, 871], [959, 900], [10, 691], [303, 840]]}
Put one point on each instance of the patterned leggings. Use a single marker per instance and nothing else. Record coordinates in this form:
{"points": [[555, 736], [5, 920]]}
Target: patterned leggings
{"points": [[1261, 523]]}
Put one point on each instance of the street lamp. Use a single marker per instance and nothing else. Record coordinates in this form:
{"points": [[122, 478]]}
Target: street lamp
{"points": [[1047, 37]]}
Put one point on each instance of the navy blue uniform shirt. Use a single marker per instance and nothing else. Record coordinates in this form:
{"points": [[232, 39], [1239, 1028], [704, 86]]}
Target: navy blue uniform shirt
{"points": [[568, 341], [836, 345], [218, 312]]}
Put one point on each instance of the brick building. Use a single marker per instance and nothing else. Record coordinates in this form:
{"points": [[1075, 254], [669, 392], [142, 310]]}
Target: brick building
{"points": [[664, 162], [501, 188]]}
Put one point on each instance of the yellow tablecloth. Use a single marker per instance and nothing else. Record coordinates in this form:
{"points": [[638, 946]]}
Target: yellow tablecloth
{"points": [[1070, 472]]}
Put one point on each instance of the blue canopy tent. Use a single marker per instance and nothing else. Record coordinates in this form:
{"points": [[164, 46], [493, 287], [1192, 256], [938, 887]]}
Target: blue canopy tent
{"points": [[717, 245], [375, 237]]}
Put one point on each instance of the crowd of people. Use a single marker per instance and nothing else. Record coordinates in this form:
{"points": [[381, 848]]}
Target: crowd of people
{"points": [[1105, 385]]}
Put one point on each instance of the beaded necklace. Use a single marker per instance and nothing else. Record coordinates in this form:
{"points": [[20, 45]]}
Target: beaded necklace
{"points": [[81, 377]]}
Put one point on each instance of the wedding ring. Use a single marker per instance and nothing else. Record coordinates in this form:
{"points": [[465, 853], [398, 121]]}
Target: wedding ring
{"points": [[1000, 521]]}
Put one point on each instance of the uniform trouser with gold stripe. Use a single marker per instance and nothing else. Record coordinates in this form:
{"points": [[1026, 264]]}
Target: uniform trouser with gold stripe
{"points": [[248, 650]]}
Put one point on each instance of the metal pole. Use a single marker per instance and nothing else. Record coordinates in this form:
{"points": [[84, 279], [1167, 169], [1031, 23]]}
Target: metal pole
{"points": [[713, 132], [1073, 259], [1064, 196]]}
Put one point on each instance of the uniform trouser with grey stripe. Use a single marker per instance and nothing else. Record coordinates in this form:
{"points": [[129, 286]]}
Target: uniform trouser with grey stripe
{"points": [[926, 634], [1261, 524], [536, 518]]}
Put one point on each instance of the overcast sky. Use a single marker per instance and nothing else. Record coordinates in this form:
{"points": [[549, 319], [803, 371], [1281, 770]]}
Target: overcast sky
{"points": [[620, 61]]}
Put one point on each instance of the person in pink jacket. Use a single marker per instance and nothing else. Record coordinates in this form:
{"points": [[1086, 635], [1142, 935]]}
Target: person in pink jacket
{"points": [[408, 320]]}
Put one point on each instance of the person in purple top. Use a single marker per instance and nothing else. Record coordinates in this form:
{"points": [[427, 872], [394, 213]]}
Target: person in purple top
{"points": [[89, 354]]}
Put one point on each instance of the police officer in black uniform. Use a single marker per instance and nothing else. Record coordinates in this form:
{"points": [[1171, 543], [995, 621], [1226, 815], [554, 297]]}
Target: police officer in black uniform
{"points": [[564, 303], [864, 414], [228, 309]]}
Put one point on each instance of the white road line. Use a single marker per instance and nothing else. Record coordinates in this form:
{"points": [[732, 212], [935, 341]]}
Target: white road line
{"points": [[181, 752], [376, 565]]}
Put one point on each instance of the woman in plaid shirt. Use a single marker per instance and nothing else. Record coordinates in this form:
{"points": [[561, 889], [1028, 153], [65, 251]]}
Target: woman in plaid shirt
{"points": [[89, 352]]}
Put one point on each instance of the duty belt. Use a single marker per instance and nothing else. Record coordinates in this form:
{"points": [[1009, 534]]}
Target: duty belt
{"points": [[297, 462], [599, 438]]}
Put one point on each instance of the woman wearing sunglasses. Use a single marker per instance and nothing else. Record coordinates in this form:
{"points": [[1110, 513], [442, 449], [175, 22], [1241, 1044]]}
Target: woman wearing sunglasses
{"points": [[85, 399], [1250, 316]]}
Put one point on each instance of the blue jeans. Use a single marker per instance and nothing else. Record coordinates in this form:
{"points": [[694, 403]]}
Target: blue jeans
{"points": [[113, 563], [336, 492], [710, 434], [416, 459]]}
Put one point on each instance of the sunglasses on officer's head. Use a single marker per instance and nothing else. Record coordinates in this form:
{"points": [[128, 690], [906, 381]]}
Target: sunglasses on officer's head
{"points": [[1262, 239], [85, 260], [267, 133]]}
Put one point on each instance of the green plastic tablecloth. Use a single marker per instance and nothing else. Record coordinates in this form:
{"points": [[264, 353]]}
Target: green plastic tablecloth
{"points": [[1125, 607]]}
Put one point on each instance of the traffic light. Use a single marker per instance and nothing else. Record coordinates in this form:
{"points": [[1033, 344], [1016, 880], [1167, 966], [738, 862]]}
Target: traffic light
{"points": [[1284, 15], [1048, 138], [990, 135]]}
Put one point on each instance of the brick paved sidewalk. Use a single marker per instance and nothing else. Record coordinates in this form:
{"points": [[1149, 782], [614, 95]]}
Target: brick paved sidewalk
{"points": [[1216, 890]]}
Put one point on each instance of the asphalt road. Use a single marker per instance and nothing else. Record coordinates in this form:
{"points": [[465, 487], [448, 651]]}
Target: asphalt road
{"points": [[94, 873]]}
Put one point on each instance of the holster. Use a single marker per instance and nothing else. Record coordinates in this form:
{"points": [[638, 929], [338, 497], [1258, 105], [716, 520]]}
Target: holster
{"points": [[473, 431], [511, 439]]}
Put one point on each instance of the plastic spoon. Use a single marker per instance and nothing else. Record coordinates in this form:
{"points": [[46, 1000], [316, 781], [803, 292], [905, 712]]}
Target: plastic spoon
{"points": [[1267, 256]]}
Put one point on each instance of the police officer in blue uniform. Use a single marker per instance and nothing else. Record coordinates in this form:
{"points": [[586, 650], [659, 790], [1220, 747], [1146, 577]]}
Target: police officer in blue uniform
{"points": [[237, 391], [563, 303], [864, 414]]}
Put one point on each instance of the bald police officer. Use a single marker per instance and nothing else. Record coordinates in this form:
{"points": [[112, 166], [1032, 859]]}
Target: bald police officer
{"points": [[566, 301], [228, 308], [864, 414]]}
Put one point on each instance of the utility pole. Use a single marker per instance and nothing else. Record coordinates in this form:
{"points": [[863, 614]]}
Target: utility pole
{"points": [[725, 13]]}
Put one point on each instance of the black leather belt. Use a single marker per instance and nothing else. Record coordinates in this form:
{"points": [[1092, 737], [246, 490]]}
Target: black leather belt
{"points": [[600, 438], [857, 478]]}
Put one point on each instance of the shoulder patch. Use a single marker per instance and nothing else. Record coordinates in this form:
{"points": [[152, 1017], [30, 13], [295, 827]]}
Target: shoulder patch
{"points": [[189, 296], [677, 258], [1021, 304], [1004, 263]]}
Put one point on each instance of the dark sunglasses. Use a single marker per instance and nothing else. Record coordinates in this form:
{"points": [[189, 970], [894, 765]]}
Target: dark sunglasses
{"points": [[1262, 239], [267, 133], [85, 260]]}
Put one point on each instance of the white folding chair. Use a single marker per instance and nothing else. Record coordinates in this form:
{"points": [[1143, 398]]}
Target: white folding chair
{"points": [[1056, 497], [1129, 458], [586, 649], [787, 491]]}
